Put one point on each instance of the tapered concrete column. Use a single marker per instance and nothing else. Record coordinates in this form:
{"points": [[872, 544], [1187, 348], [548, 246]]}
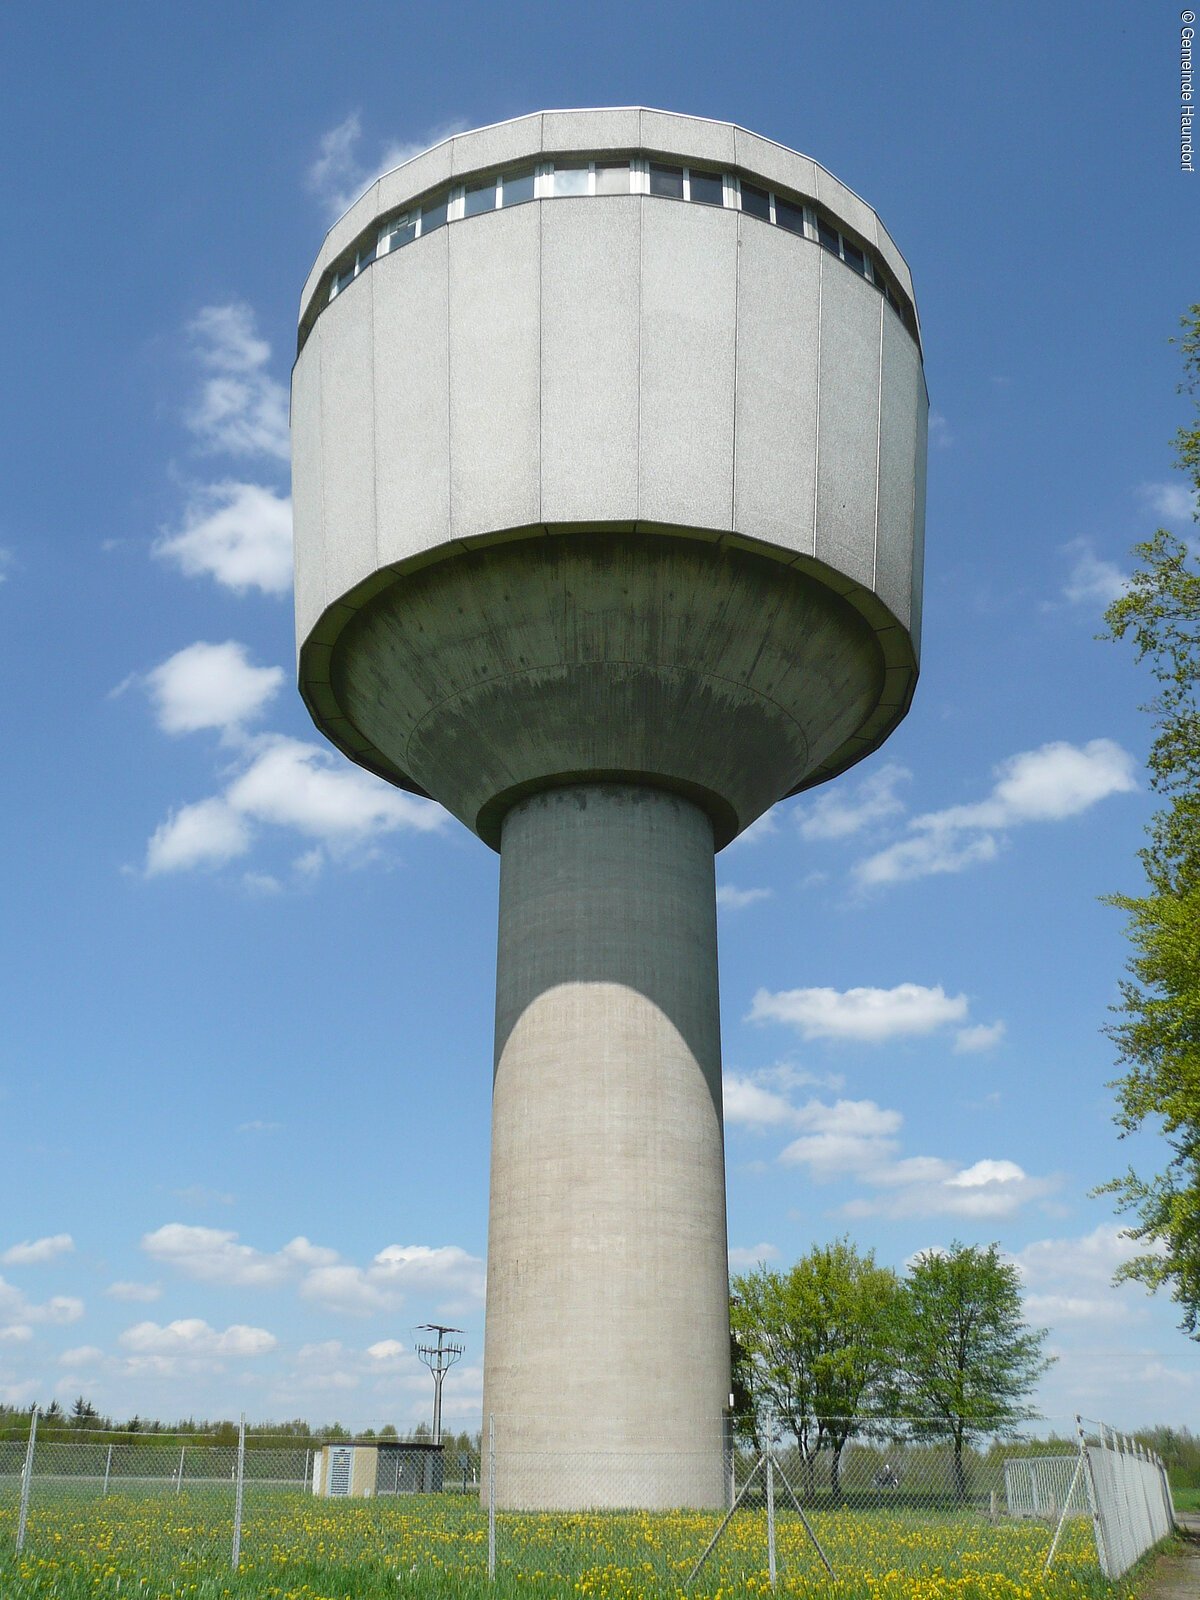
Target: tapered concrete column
{"points": [[607, 1354]]}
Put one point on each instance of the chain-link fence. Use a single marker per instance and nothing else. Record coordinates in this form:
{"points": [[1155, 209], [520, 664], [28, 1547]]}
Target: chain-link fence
{"points": [[612, 1515]]}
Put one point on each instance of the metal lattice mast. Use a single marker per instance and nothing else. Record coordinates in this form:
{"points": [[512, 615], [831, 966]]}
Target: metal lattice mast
{"points": [[439, 1358]]}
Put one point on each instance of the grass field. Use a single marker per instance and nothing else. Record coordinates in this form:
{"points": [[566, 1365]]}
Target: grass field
{"points": [[298, 1548]]}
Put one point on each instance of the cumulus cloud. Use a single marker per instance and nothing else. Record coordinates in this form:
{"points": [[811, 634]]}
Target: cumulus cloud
{"points": [[126, 1289], [217, 1256], [238, 533], [241, 410], [287, 783], [31, 1252], [83, 1355], [730, 898], [1050, 784], [1173, 502], [743, 1256], [982, 1036], [863, 1014], [17, 1311], [837, 813], [191, 1337], [210, 686], [339, 174], [1092, 581]]}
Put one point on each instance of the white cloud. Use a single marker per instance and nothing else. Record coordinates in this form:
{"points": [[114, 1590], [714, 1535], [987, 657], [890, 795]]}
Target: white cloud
{"points": [[287, 783], [848, 1137], [216, 1256], [837, 813], [16, 1333], [213, 1255], [31, 1252], [743, 1256], [210, 686], [207, 833], [730, 898], [926, 1186], [6, 562], [126, 1289], [238, 533], [189, 1336], [982, 1036], [1092, 581], [385, 1350], [869, 1015], [1173, 502], [83, 1355], [748, 1104], [1050, 784], [939, 431], [1070, 1280], [761, 828], [241, 410], [17, 1311], [338, 176]]}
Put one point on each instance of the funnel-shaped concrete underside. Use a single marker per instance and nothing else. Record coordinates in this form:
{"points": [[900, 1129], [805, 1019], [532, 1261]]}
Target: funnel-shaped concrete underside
{"points": [[609, 519]]}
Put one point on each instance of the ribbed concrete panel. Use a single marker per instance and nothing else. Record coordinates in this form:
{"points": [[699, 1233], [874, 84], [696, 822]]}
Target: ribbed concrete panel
{"points": [[705, 141], [497, 146], [776, 417], [689, 289], [902, 395], [607, 1221], [412, 398], [495, 372], [308, 497], [590, 332], [775, 164], [426, 171], [851, 311], [846, 205], [594, 131], [348, 440], [893, 259]]}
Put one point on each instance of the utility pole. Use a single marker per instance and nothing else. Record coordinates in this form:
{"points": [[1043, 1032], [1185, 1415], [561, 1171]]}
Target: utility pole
{"points": [[439, 1358]]}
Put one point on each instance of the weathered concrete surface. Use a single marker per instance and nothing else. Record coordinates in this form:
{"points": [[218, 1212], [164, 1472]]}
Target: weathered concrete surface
{"points": [[672, 661], [607, 1362], [627, 364]]}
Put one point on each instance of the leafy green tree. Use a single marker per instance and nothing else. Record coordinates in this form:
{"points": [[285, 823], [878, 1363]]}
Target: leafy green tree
{"points": [[1158, 1036], [818, 1343], [968, 1360]]}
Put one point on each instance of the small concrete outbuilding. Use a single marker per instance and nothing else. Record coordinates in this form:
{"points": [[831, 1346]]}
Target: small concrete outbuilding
{"points": [[361, 1468], [609, 439]]}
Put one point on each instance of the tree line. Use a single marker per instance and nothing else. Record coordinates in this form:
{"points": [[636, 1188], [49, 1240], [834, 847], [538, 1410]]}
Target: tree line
{"points": [[837, 1341]]}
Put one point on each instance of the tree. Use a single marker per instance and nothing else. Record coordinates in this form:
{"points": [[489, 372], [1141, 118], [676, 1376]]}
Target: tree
{"points": [[1158, 1036], [83, 1413], [816, 1343], [967, 1358]]}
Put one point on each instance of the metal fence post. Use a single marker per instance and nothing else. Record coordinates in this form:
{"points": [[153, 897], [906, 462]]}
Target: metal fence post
{"points": [[239, 1493], [107, 1470], [179, 1477], [491, 1497], [771, 1519], [27, 1479]]}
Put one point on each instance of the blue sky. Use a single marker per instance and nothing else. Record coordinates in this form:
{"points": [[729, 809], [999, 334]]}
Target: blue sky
{"points": [[247, 991]]}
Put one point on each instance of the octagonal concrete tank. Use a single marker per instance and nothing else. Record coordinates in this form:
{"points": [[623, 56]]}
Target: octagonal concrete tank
{"points": [[609, 435]]}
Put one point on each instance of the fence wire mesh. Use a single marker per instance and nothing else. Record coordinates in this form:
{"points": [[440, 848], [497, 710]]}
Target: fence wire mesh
{"points": [[876, 1504]]}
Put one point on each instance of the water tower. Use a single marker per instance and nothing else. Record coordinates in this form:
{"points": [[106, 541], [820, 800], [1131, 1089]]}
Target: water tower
{"points": [[609, 432]]}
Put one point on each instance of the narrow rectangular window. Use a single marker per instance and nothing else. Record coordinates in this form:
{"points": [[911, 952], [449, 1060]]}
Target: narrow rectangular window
{"points": [[366, 256], [829, 237], [516, 187], [853, 257], [479, 197], [666, 180], [708, 188], [397, 232], [433, 215], [789, 215], [570, 179], [612, 177], [345, 276], [755, 201]]}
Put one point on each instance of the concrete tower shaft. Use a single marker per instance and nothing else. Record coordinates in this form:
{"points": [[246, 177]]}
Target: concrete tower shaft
{"points": [[609, 434]]}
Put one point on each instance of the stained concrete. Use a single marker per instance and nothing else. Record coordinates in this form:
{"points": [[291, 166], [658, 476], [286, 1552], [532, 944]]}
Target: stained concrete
{"points": [[607, 1313]]}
